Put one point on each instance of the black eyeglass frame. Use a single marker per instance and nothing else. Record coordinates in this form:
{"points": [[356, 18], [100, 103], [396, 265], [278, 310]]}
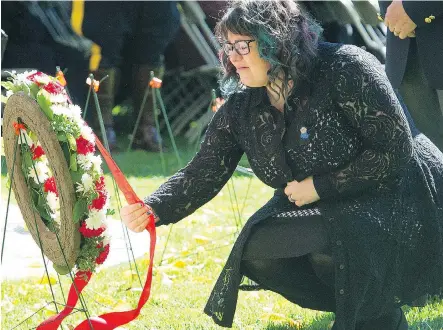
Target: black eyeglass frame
{"points": [[233, 45]]}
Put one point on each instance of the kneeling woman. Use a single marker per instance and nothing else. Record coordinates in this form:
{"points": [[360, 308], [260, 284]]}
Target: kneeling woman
{"points": [[355, 226]]}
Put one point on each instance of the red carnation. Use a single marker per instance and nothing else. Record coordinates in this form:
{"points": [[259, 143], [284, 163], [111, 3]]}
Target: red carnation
{"points": [[37, 152], [90, 232], [99, 202], [84, 146], [53, 88], [50, 185], [100, 184], [103, 255], [34, 75]]}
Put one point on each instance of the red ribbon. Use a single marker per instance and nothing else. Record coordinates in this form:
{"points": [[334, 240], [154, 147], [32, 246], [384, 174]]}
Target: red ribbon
{"points": [[114, 319]]}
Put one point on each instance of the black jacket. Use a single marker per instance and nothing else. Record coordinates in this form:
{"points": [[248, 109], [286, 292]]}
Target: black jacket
{"points": [[429, 38], [381, 189]]}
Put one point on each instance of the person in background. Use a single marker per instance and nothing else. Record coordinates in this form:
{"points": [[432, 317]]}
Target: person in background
{"points": [[132, 31], [355, 226], [414, 60], [26, 32]]}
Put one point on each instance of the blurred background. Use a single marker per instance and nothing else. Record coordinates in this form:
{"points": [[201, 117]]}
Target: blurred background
{"points": [[126, 40]]}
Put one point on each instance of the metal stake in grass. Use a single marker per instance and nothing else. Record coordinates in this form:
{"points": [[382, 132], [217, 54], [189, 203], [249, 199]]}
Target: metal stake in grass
{"points": [[91, 77], [105, 139], [9, 197], [157, 95], [139, 117]]}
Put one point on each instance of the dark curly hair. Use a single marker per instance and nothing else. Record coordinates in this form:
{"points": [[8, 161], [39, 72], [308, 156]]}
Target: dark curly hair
{"points": [[286, 37]]}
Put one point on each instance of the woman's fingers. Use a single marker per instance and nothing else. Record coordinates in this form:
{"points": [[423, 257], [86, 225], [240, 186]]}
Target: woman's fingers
{"points": [[140, 223], [128, 209], [137, 223], [135, 216], [291, 188]]}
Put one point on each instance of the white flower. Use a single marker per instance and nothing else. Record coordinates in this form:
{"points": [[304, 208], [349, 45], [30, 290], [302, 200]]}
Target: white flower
{"points": [[75, 111], [61, 110], [53, 201], [44, 159], [25, 137], [56, 216], [96, 163], [86, 185], [96, 219], [42, 79], [57, 98], [42, 170], [85, 161], [22, 78], [87, 182], [9, 93], [87, 133], [107, 237]]}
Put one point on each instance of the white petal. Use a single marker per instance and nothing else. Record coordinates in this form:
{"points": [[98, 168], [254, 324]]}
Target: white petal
{"points": [[88, 182]]}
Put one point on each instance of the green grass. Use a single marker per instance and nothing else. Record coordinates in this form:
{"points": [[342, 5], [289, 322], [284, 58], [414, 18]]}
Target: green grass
{"points": [[197, 250]]}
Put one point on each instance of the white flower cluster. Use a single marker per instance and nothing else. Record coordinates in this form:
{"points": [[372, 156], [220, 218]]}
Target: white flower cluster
{"points": [[89, 163], [39, 171], [22, 78]]}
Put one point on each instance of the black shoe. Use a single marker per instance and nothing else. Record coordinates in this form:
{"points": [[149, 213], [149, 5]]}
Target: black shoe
{"points": [[112, 138], [151, 139]]}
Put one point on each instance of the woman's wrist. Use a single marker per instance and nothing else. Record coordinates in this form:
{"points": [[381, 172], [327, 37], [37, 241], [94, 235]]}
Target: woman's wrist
{"points": [[152, 212], [323, 186]]}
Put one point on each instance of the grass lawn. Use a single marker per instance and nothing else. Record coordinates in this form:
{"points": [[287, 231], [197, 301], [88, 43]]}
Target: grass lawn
{"points": [[197, 249]]}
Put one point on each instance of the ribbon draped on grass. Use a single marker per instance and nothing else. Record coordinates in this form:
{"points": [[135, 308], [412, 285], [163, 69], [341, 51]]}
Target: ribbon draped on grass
{"points": [[111, 320]]}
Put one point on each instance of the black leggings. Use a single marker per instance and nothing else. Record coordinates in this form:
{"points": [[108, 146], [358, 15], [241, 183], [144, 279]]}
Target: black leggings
{"points": [[290, 256]]}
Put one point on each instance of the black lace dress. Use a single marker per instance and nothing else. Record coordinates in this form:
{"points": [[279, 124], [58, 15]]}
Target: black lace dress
{"points": [[381, 189]]}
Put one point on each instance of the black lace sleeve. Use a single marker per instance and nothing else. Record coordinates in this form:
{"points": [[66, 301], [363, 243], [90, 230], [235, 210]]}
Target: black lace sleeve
{"points": [[366, 97], [204, 176]]}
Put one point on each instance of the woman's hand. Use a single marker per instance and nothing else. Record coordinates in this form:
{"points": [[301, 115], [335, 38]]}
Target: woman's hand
{"points": [[136, 216], [302, 193]]}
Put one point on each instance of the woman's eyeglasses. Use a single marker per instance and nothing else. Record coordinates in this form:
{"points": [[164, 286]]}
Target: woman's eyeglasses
{"points": [[240, 46]]}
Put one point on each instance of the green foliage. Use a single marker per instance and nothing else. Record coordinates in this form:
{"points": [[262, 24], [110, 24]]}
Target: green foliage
{"points": [[73, 162], [26, 163], [42, 209], [62, 137], [66, 152], [71, 141], [62, 270], [76, 176], [9, 85], [110, 212], [66, 127], [33, 136], [3, 99], [88, 253], [80, 209], [34, 89], [45, 105]]}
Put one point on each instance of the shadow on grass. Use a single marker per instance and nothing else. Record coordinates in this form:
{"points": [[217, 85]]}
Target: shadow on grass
{"points": [[323, 322]]}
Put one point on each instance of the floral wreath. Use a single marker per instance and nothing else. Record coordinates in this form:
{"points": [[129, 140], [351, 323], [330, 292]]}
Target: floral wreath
{"points": [[78, 142]]}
